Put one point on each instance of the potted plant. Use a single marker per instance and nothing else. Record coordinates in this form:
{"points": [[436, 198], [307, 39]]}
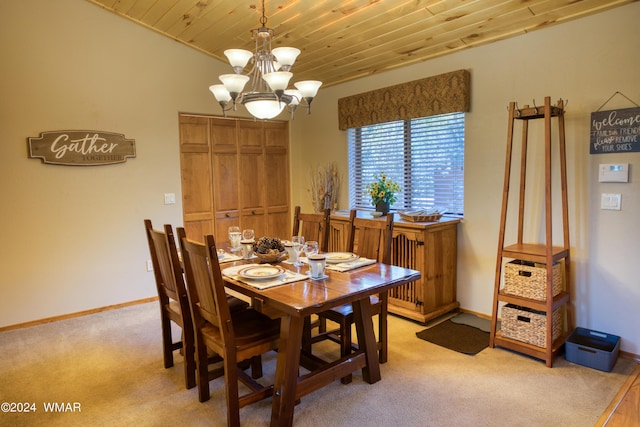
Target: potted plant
{"points": [[383, 192]]}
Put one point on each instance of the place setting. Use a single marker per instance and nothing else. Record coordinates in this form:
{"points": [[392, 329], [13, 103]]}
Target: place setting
{"points": [[262, 276], [318, 262]]}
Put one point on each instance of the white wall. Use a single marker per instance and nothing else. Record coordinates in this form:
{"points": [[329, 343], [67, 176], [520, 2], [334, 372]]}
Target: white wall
{"points": [[583, 61], [73, 239]]}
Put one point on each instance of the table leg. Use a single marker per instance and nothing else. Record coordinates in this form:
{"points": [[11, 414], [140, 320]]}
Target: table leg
{"points": [[367, 339], [288, 361]]}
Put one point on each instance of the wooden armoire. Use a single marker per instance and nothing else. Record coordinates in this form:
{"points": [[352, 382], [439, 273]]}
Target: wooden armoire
{"points": [[234, 172]]}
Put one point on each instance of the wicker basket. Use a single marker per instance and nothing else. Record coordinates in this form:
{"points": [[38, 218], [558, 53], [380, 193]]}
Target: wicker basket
{"points": [[527, 325], [529, 280], [414, 217], [270, 257]]}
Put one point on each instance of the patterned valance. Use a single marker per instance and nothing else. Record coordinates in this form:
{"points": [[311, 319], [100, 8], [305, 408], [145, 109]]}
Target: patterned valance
{"points": [[441, 94]]}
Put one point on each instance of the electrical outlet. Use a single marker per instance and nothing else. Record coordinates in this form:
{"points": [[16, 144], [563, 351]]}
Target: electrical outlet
{"points": [[149, 265]]}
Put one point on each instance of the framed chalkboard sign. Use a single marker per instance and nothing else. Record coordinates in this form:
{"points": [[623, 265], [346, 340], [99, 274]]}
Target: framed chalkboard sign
{"points": [[615, 131]]}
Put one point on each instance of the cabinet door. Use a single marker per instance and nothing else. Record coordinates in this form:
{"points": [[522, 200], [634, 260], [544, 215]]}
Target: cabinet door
{"points": [[195, 165], [225, 165], [408, 250], [252, 177], [276, 179], [440, 268]]}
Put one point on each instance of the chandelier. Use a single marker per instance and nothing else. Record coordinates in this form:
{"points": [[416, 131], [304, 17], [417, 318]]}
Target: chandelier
{"points": [[268, 94]]}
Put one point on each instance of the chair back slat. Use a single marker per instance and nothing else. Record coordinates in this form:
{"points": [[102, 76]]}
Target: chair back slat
{"points": [[313, 226], [164, 255], [208, 298], [373, 237]]}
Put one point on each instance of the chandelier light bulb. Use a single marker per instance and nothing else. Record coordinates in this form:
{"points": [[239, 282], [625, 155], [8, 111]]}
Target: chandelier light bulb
{"points": [[234, 83], [279, 80], [296, 96], [286, 56], [221, 93], [308, 88], [238, 58]]}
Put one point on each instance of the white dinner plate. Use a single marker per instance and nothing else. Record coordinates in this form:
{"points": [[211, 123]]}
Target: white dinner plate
{"points": [[261, 272], [338, 257]]}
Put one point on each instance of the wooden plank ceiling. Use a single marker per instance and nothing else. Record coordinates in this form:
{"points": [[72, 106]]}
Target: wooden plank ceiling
{"points": [[342, 40]]}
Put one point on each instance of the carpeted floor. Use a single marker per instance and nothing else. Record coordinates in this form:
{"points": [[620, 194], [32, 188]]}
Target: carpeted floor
{"points": [[111, 364]]}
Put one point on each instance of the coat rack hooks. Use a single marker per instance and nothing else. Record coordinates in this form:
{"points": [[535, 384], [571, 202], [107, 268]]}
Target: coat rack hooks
{"points": [[614, 94]]}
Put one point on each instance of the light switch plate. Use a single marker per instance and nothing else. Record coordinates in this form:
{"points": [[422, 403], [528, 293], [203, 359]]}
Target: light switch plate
{"points": [[610, 201], [169, 198]]}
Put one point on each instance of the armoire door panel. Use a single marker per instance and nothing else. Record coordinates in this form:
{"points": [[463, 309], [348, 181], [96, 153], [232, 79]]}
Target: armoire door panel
{"points": [[225, 181], [250, 135], [196, 184], [196, 230], [275, 136], [278, 223], [256, 220], [194, 130], [278, 172], [253, 180], [223, 134]]}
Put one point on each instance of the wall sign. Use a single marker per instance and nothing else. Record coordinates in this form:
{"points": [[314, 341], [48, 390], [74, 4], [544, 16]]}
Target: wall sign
{"points": [[81, 148], [615, 131]]}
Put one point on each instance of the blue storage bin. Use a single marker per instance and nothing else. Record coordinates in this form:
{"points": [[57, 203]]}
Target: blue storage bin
{"points": [[593, 349]]}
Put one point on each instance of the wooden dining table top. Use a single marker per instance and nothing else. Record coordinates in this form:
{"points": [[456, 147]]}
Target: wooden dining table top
{"points": [[310, 296]]}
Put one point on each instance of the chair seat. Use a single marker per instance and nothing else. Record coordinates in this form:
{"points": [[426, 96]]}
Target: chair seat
{"points": [[346, 310], [235, 304], [249, 326]]}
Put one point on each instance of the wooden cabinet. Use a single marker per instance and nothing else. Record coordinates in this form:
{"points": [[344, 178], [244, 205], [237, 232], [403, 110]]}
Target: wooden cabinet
{"points": [[430, 248], [555, 328], [234, 172]]}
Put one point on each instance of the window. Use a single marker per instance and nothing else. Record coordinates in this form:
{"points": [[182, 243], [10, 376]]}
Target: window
{"points": [[424, 155]]}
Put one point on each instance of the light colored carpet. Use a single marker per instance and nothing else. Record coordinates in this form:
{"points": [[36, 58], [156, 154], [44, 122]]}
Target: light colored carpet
{"points": [[111, 364]]}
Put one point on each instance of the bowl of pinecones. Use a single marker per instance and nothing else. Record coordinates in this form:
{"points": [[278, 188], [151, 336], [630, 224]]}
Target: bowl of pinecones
{"points": [[269, 249]]}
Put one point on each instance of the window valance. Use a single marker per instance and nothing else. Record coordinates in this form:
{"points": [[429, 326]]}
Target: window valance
{"points": [[441, 94]]}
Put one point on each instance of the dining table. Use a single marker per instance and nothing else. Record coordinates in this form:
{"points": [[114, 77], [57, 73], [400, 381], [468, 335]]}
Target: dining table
{"points": [[297, 296]]}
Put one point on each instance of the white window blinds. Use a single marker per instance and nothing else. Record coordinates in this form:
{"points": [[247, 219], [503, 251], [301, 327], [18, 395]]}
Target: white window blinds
{"points": [[424, 155]]}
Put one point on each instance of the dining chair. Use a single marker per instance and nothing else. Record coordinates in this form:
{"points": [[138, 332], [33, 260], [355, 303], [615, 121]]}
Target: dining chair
{"points": [[235, 336], [316, 227], [313, 226], [172, 295], [374, 237]]}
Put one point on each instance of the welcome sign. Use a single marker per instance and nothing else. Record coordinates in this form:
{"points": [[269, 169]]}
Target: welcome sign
{"points": [[81, 148], [615, 131]]}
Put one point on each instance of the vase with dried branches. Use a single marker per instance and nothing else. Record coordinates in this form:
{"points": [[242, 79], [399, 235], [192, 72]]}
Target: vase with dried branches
{"points": [[324, 184]]}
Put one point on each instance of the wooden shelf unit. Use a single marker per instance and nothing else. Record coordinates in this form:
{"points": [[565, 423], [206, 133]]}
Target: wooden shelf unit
{"points": [[543, 253]]}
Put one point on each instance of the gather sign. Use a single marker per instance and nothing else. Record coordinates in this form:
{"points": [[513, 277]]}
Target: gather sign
{"points": [[81, 148]]}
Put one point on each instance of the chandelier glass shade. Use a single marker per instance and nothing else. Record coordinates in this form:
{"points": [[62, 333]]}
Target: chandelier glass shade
{"points": [[267, 94]]}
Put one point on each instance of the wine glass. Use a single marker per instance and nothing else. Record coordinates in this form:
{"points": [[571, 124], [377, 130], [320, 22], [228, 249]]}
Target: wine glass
{"points": [[248, 234], [310, 248], [234, 238], [298, 244]]}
